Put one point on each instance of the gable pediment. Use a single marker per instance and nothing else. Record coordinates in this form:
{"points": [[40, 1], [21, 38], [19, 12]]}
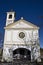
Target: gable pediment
{"points": [[21, 24]]}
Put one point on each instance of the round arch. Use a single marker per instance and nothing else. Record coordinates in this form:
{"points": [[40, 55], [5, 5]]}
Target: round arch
{"points": [[22, 53]]}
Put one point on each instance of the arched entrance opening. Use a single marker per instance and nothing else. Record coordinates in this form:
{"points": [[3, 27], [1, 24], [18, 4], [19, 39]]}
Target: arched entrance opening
{"points": [[22, 53]]}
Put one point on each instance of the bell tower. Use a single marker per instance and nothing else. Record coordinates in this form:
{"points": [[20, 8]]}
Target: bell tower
{"points": [[10, 17]]}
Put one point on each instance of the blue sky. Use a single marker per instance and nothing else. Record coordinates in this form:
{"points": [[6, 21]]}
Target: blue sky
{"points": [[31, 10]]}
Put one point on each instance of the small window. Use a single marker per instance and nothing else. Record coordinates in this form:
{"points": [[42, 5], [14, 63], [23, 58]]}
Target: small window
{"points": [[21, 35], [10, 16]]}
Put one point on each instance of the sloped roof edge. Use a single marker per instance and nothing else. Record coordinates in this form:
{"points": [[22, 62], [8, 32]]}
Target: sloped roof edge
{"points": [[16, 22]]}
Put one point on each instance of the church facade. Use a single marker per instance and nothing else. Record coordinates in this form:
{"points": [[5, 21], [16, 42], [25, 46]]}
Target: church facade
{"points": [[21, 40]]}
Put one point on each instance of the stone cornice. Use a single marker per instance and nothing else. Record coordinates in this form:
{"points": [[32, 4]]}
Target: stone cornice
{"points": [[21, 28]]}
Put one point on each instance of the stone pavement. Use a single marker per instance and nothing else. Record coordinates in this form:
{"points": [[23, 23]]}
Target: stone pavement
{"points": [[21, 62]]}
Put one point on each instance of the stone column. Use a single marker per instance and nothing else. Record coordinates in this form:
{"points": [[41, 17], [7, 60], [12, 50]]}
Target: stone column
{"points": [[32, 54]]}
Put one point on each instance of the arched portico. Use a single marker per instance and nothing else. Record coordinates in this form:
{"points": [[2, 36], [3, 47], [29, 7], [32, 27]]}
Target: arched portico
{"points": [[22, 53]]}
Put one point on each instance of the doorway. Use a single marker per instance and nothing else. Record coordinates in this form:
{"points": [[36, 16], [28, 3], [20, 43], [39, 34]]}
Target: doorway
{"points": [[22, 53]]}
